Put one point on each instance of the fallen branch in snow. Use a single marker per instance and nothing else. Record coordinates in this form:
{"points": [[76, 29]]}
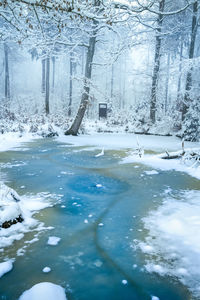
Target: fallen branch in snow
{"points": [[168, 156], [193, 157], [175, 156], [188, 156]]}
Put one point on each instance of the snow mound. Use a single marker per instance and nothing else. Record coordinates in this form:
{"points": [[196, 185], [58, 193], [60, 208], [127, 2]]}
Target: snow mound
{"points": [[172, 246], [53, 240], [6, 267], [44, 291], [11, 140], [9, 204], [46, 270]]}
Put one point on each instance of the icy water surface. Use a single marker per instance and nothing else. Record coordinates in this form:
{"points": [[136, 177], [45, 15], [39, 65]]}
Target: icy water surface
{"points": [[98, 206]]}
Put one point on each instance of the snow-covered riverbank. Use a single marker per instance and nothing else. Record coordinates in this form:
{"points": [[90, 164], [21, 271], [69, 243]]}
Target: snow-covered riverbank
{"points": [[127, 141], [131, 142], [11, 140], [172, 246], [13, 207]]}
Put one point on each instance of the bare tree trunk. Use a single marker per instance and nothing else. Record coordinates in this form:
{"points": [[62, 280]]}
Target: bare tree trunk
{"points": [[83, 60], [156, 63], [188, 85], [124, 83], [7, 76], [86, 89], [167, 83], [47, 85], [180, 75], [112, 81], [70, 84], [53, 71], [43, 75]]}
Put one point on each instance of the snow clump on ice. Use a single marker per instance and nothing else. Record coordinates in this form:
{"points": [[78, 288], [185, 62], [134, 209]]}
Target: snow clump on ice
{"points": [[46, 270], [44, 291], [53, 240], [152, 172]]}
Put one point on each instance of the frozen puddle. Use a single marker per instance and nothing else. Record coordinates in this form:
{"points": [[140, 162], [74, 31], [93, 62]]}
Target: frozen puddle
{"points": [[172, 246]]}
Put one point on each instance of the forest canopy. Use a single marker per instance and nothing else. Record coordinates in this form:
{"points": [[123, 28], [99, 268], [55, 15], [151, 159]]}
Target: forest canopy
{"points": [[60, 59]]}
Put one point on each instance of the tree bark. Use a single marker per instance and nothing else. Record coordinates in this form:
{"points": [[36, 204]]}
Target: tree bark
{"points": [[180, 75], [112, 82], [167, 83], [47, 85], [53, 71], [156, 63], [188, 85], [43, 75], [70, 84], [7, 76], [86, 89]]}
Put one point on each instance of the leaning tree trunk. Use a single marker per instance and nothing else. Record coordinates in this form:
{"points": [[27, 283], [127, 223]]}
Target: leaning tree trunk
{"points": [[156, 63], [73, 130], [47, 85], [188, 85], [7, 76]]}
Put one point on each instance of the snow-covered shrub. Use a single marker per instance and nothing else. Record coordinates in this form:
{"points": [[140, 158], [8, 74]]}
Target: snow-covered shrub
{"points": [[192, 122], [191, 158]]}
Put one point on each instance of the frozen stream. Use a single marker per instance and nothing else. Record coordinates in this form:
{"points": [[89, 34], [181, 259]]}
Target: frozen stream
{"points": [[97, 209]]}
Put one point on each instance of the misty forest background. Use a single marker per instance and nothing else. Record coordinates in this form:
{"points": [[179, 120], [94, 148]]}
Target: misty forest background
{"points": [[60, 59]]}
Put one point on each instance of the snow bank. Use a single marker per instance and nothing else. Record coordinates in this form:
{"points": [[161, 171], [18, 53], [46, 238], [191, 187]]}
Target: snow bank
{"points": [[157, 162], [130, 141], [6, 267], [44, 291], [9, 204], [12, 140], [127, 141], [26, 206], [172, 246]]}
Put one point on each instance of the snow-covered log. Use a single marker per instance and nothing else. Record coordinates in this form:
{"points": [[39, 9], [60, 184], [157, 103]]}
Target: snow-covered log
{"points": [[186, 156]]}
